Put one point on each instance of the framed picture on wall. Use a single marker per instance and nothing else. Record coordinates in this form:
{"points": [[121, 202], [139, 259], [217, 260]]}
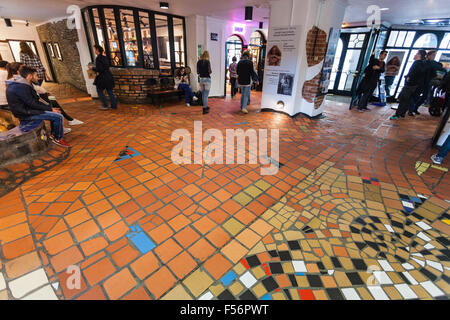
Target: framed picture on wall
{"points": [[57, 51], [50, 50]]}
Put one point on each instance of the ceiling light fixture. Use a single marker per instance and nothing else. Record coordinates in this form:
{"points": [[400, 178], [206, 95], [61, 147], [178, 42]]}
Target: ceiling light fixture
{"points": [[164, 5], [248, 13], [384, 9]]}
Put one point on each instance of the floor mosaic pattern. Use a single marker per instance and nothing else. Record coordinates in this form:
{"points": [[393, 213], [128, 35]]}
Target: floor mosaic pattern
{"points": [[347, 216]]}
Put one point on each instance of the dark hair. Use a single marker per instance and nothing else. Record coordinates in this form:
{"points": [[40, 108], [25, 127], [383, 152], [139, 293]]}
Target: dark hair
{"points": [[431, 52], [13, 68], [246, 53], [234, 59], [423, 53], [3, 64], [25, 71], [26, 49], [99, 48], [383, 51]]}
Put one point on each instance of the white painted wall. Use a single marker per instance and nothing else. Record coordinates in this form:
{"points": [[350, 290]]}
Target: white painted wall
{"points": [[19, 31]]}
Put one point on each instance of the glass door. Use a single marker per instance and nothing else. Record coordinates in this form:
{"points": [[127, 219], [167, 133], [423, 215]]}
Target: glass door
{"points": [[347, 63]]}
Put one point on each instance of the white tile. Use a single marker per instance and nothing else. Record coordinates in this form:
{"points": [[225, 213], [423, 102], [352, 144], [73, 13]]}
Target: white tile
{"points": [[382, 277], [389, 228], [405, 291], [207, 296], [408, 204], [429, 246], [417, 254], [248, 279], [378, 293], [407, 249], [350, 294], [432, 289], [435, 265], [55, 285], [385, 265], [2, 282], [28, 283], [421, 235], [419, 262], [299, 266], [407, 266], [423, 225], [410, 278], [45, 293], [330, 272]]}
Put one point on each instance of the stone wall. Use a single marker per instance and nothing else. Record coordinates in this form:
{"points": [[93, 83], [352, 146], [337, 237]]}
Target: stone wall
{"points": [[130, 84], [68, 70]]}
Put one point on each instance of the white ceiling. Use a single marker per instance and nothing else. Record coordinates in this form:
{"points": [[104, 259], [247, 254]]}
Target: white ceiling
{"points": [[400, 11]]}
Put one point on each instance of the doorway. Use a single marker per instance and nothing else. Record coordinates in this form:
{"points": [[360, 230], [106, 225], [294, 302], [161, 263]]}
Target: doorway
{"points": [[233, 48], [257, 48], [49, 54], [347, 63]]}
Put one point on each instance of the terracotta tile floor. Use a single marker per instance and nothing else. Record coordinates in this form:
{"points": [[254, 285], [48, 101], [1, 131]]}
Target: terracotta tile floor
{"points": [[347, 216]]}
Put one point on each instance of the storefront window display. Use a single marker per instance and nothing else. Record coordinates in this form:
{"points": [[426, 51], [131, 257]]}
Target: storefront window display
{"points": [[136, 37]]}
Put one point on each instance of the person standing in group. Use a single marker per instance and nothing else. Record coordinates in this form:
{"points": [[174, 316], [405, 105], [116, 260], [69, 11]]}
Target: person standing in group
{"points": [[233, 76], [30, 59], [414, 79], [104, 79], [204, 74], [246, 73], [423, 92], [371, 77]]}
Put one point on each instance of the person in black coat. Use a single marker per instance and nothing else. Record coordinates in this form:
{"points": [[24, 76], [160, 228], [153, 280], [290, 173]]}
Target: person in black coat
{"points": [[104, 79], [371, 77], [414, 79]]}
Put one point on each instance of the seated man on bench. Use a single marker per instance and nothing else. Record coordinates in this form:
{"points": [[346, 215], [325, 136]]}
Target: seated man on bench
{"points": [[182, 83], [25, 105]]}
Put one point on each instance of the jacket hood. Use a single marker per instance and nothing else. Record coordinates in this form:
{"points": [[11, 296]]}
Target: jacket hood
{"points": [[17, 80]]}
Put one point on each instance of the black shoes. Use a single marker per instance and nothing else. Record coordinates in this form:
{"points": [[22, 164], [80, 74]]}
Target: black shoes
{"points": [[411, 114], [206, 110]]}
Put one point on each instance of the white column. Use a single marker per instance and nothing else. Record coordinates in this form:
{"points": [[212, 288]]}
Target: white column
{"points": [[304, 14]]}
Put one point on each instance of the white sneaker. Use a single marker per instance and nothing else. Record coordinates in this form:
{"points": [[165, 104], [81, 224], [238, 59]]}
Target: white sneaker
{"points": [[75, 122], [67, 130], [244, 110], [436, 159], [194, 98], [188, 105]]}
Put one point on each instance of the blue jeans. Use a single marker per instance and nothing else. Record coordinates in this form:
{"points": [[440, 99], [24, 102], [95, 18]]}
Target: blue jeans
{"points": [[102, 97], [205, 86], [443, 151], [56, 122], [188, 95], [245, 96]]}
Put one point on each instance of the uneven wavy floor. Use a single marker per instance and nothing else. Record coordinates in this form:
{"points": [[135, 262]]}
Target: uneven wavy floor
{"points": [[347, 216]]}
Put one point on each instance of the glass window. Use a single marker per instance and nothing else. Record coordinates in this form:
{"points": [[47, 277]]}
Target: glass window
{"points": [[98, 28], [113, 38], [162, 36], [445, 44], [89, 31], [256, 38], [409, 39], [179, 42], [129, 37], [15, 48], [428, 40], [392, 38], [146, 40], [400, 39], [337, 59]]}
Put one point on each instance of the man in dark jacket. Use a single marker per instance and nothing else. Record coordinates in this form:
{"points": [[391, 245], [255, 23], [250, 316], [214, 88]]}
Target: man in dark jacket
{"points": [[414, 79], [371, 77], [246, 73], [104, 79], [25, 105]]}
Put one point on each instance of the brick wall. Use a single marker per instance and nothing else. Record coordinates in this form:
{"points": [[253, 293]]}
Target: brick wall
{"points": [[130, 83], [68, 70], [316, 47]]}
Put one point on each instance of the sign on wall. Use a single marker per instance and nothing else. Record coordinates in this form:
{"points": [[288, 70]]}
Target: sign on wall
{"points": [[280, 66], [214, 36]]}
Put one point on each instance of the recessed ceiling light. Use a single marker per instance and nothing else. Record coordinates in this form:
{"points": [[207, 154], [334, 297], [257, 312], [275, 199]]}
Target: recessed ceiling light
{"points": [[164, 5], [384, 9]]}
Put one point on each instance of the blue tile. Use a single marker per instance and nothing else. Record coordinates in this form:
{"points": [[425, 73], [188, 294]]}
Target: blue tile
{"points": [[415, 199], [266, 297], [237, 124], [140, 239], [228, 278], [300, 274]]}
